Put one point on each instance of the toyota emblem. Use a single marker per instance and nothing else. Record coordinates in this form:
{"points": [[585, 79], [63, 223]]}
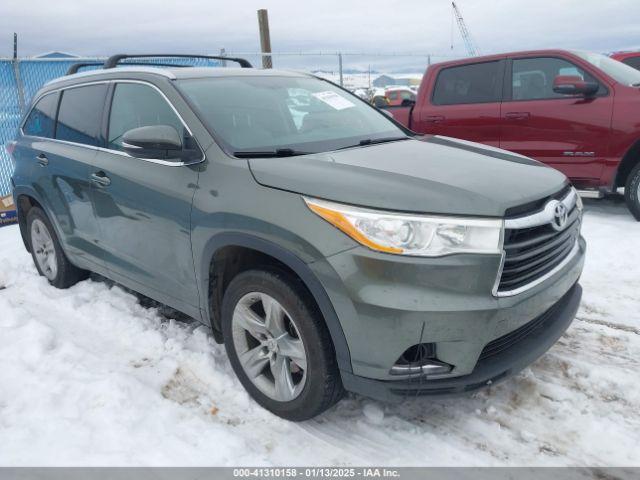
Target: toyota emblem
{"points": [[560, 215]]}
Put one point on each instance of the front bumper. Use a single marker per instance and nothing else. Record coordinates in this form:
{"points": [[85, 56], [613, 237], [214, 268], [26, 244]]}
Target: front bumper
{"points": [[387, 303], [486, 372]]}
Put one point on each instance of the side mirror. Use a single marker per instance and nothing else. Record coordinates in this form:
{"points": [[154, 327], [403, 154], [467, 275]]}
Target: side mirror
{"points": [[156, 141], [574, 85], [407, 102]]}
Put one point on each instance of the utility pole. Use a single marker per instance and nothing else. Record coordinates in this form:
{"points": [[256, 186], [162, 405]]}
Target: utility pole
{"points": [[15, 46], [265, 38], [340, 69]]}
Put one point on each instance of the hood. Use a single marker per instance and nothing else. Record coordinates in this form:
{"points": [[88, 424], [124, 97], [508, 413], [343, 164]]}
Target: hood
{"points": [[432, 175]]}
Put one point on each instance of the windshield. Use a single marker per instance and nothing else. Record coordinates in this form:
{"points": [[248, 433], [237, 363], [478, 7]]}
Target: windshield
{"points": [[292, 114], [617, 70]]}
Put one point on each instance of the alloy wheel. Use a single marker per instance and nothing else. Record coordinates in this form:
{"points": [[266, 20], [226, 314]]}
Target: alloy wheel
{"points": [[44, 249], [269, 346]]}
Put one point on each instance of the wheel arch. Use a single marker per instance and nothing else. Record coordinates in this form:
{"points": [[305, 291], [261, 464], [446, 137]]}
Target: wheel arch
{"points": [[25, 199], [629, 161], [208, 278]]}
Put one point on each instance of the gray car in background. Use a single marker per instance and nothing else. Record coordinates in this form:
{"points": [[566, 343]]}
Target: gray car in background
{"points": [[328, 247]]}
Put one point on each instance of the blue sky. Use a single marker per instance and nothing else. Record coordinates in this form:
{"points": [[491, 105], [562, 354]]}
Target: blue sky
{"points": [[419, 26]]}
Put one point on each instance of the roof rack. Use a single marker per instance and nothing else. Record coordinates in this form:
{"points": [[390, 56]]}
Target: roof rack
{"points": [[113, 60], [77, 66]]}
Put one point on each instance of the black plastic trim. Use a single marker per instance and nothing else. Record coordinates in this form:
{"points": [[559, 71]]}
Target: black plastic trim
{"points": [[113, 60]]}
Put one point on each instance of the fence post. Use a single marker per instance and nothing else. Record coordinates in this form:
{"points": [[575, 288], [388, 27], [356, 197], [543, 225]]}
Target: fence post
{"points": [[16, 73], [223, 53], [265, 38], [340, 69]]}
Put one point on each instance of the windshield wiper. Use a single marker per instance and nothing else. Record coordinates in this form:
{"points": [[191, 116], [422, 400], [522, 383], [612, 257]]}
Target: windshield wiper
{"points": [[369, 141], [278, 152], [374, 141]]}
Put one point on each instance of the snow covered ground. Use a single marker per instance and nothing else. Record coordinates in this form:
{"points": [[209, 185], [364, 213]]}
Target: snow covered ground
{"points": [[89, 376]]}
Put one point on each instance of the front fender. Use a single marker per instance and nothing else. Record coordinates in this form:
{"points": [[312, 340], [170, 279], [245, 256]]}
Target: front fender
{"points": [[299, 267]]}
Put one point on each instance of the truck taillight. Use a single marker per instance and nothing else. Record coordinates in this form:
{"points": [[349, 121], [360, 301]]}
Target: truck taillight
{"points": [[11, 146]]}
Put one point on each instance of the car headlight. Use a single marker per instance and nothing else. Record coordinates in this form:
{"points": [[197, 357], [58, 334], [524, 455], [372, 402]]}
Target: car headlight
{"points": [[406, 234]]}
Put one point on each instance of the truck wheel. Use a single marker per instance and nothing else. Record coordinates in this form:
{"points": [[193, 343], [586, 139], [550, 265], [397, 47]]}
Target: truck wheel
{"points": [[632, 192], [279, 345], [47, 254]]}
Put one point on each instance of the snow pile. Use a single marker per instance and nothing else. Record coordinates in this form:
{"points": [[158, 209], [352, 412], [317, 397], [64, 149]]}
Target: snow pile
{"points": [[90, 377]]}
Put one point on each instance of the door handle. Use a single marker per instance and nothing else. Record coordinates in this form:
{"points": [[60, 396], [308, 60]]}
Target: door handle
{"points": [[42, 160], [100, 179], [434, 119], [517, 115]]}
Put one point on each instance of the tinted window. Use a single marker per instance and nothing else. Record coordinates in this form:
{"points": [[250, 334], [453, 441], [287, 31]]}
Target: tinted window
{"points": [[532, 78], [80, 114], [135, 105], [477, 83], [41, 120], [632, 62]]}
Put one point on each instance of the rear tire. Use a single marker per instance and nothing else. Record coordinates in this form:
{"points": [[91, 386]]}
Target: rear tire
{"points": [[306, 354], [48, 256], [632, 192]]}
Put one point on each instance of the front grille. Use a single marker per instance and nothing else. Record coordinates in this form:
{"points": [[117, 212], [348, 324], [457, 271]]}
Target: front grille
{"points": [[531, 252]]}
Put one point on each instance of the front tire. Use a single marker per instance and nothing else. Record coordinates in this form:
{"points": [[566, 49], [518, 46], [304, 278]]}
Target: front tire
{"points": [[279, 345], [48, 256], [632, 192]]}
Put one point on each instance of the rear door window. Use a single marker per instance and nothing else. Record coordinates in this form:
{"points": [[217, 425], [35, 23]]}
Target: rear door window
{"points": [[475, 83], [136, 105], [80, 114], [41, 119]]}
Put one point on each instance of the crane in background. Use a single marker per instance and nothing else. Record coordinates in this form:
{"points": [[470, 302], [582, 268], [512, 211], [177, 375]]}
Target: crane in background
{"points": [[472, 50]]}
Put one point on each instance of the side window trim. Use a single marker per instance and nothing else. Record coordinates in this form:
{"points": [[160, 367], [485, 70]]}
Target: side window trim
{"points": [[499, 87], [108, 99], [508, 77]]}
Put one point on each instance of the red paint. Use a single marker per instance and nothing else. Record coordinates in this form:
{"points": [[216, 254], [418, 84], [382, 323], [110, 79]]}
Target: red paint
{"points": [[586, 137], [630, 58]]}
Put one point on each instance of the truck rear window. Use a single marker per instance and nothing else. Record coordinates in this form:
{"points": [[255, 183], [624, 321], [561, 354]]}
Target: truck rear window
{"points": [[475, 83]]}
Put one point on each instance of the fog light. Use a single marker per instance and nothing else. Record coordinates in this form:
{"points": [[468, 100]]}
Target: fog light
{"points": [[427, 367], [420, 359]]}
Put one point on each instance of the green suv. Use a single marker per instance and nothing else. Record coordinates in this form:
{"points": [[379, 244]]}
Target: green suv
{"points": [[326, 246]]}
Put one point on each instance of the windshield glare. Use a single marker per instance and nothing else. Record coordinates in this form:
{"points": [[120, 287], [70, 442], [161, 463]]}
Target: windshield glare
{"points": [[261, 113], [617, 70]]}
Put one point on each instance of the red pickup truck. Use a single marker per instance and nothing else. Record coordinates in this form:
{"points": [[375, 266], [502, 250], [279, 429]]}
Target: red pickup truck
{"points": [[576, 111], [630, 58]]}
